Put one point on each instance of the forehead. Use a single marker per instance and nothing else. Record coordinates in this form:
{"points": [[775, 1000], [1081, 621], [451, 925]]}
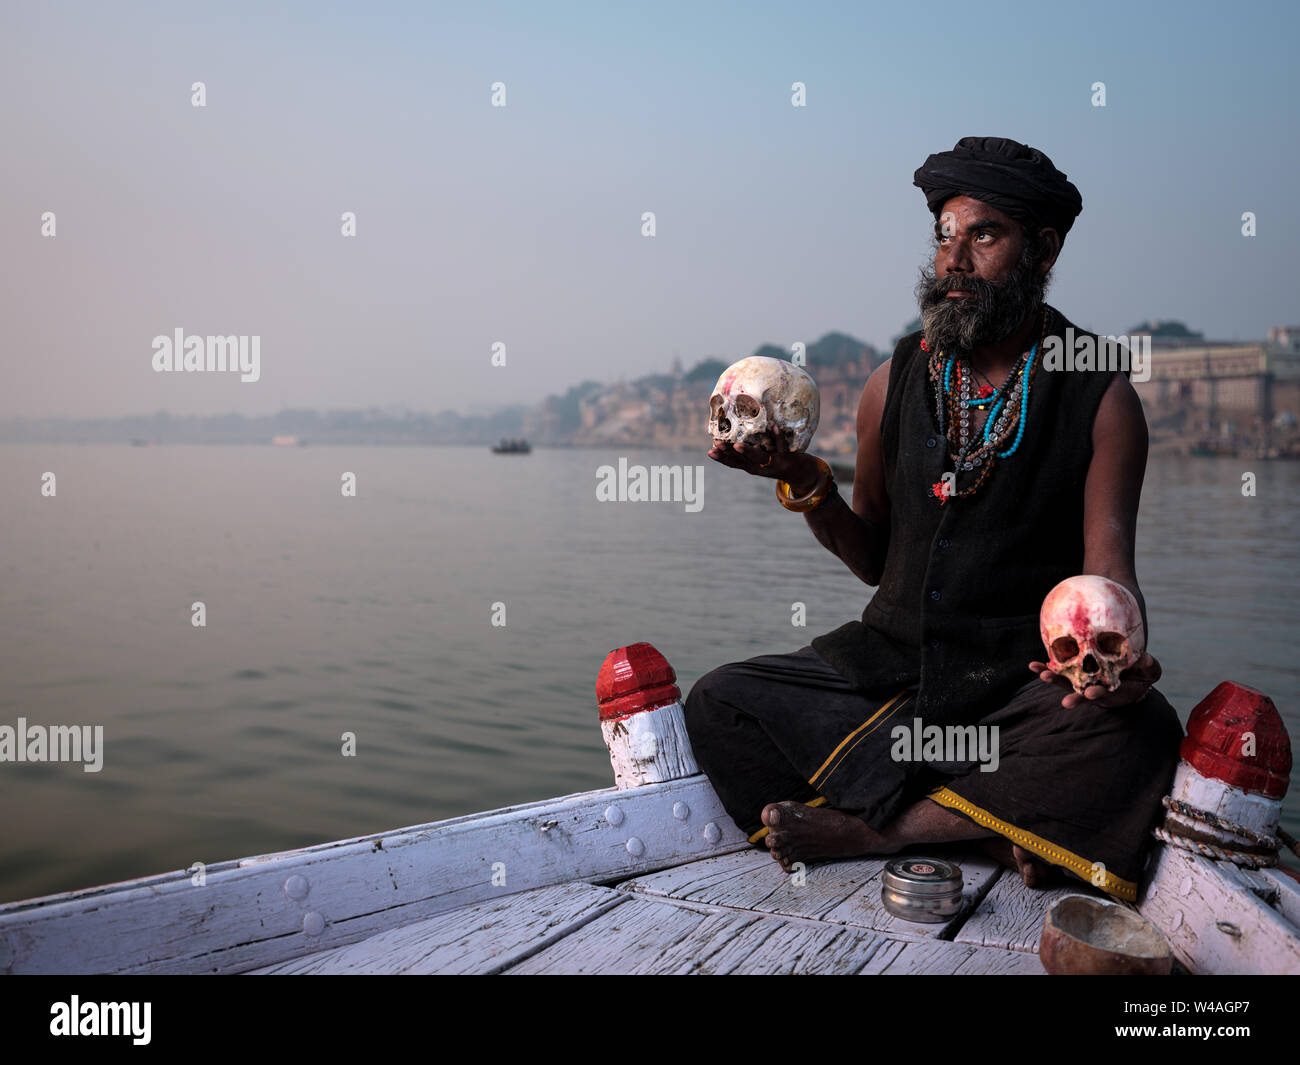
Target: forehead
{"points": [[965, 211]]}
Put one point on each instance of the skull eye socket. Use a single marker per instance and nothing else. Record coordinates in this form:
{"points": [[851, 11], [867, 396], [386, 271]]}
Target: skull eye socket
{"points": [[747, 406], [715, 404], [1064, 648], [1110, 643]]}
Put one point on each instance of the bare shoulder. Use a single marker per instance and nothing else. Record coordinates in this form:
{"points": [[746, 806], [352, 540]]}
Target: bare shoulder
{"points": [[870, 498], [872, 403], [1120, 418]]}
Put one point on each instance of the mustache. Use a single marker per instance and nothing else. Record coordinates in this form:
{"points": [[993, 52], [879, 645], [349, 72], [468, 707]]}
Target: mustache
{"points": [[991, 311], [935, 289]]}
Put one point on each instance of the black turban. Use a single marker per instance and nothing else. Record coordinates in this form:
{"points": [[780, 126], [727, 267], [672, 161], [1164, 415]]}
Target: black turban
{"points": [[1018, 180]]}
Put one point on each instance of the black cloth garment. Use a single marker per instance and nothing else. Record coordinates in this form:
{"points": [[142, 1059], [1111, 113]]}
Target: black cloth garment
{"points": [[956, 610], [952, 627], [1080, 789], [1018, 180], [781, 727]]}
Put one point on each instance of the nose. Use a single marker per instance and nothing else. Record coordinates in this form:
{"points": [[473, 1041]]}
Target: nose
{"points": [[956, 257]]}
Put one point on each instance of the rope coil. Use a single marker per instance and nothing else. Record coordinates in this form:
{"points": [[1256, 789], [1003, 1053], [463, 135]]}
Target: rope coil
{"points": [[1248, 859]]}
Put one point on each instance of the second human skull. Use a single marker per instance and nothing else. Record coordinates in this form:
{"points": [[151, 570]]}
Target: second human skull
{"points": [[1092, 629]]}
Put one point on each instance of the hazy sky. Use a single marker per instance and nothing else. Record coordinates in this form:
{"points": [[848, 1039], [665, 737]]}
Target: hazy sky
{"points": [[522, 224]]}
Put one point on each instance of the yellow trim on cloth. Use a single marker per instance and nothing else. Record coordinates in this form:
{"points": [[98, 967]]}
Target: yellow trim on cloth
{"points": [[819, 801], [1049, 852], [890, 706]]}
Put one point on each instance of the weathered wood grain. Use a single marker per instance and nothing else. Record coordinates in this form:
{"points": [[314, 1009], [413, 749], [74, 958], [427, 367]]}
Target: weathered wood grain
{"points": [[254, 914], [951, 959], [1287, 902], [480, 939], [1213, 921], [649, 936], [649, 746], [1010, 916], [844, 892]]}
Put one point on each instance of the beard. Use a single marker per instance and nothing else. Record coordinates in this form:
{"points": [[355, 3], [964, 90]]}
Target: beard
{"points": [[993, 311]]}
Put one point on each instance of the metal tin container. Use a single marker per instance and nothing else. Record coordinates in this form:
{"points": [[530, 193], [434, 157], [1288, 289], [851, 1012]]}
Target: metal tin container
{"points": [[926, 890]]}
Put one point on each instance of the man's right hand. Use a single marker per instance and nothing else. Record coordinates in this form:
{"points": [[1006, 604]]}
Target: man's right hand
{"points": [[797, 468]]}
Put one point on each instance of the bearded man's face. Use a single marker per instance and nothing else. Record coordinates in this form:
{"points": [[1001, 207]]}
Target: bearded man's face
{"points": [[985, 256]]}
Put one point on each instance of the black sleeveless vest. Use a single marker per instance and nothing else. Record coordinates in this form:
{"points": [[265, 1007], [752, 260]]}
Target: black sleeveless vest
{"points": [[956, 611]]}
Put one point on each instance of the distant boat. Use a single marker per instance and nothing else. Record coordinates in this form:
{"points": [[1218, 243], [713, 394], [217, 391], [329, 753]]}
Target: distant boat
{"points": [[287, 441], [512, 447]]}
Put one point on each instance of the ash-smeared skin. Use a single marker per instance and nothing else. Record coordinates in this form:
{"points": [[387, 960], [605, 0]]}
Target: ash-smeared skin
{"points": [[788, 398], [1081, 608]]}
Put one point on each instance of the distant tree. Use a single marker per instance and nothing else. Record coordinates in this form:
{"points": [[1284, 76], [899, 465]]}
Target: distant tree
{"points": [[709, 370], [567, 406], [836, 349], [1171, 329], [662, 381]]}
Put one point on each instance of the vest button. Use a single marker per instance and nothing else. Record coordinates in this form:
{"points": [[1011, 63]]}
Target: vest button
{"points": [[934, 593], [930, 442], [943, 543]]}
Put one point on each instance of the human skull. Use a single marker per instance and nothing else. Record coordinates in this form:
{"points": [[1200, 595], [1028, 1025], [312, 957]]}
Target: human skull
{"points": [[1092, 629], [758, 397]]}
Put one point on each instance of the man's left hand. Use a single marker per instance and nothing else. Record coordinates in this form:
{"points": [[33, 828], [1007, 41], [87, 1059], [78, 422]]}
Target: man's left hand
{"points": [[1134, 683]]}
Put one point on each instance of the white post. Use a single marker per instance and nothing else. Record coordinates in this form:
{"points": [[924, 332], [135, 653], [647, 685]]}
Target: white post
{"points": [[641, 717], [1219, 914]]}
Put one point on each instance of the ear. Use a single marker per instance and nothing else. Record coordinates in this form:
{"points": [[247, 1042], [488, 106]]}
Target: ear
{"points": [[1051, 248]]}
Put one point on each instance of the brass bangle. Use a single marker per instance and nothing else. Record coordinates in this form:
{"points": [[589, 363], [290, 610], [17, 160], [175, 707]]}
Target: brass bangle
{"points": [[802, 504]]}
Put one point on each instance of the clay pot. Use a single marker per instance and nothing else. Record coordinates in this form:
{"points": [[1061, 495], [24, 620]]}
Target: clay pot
{"points": [[1096, 937]]}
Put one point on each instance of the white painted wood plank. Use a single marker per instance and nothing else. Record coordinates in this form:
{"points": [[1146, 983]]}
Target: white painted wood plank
{"points": [[843, 892], [480, 939], [1188, 896], [649, 937], [1010, 917], [951, 959], [256, 914], [649, 746], [1287, 902]]}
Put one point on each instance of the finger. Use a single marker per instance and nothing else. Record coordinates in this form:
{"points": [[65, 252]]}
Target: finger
{"points": [[1049, 676], [1146, 671]]}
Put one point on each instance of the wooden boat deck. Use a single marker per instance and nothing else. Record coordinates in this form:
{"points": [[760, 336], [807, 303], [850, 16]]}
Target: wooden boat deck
{"points": [[651, 876], [735, 913]]}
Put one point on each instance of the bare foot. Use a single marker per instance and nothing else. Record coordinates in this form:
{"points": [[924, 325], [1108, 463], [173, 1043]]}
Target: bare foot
{"points": [[799, 833], [1033, 871]]}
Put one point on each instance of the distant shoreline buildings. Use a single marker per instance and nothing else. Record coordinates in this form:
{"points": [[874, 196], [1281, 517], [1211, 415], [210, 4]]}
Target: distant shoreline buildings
{"points": [[1202, 396]]}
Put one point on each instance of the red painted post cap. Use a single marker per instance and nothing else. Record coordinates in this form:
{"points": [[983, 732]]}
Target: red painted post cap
{"points": [[1231, 720], [633, 679]]}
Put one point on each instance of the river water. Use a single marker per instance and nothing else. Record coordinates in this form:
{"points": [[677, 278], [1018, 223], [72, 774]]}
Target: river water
{"points": [[373, 615]]}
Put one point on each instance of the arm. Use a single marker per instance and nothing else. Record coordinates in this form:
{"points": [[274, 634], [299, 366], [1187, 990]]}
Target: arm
{"points": [[1114, 487], [1110, 509], [857, 535]]}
